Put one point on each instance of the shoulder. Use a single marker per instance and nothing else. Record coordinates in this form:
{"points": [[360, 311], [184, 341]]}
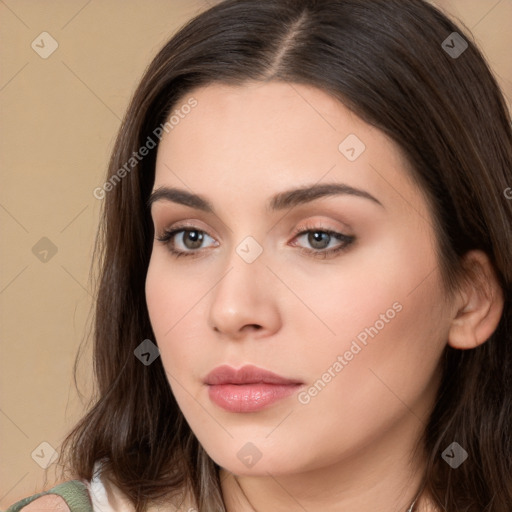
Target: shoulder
{"points": [[47, 502], [70, 496], [97, 495]]}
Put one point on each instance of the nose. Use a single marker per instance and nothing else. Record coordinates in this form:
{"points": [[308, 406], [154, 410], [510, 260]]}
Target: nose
{"points": [[244, 300]]}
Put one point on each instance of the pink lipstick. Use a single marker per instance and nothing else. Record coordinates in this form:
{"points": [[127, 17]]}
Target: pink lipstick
{"points": [[247, 389]]}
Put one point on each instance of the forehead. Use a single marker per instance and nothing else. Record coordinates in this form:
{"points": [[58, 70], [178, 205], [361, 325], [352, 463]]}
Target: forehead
{"points": [[273, 135], [264, 114]]}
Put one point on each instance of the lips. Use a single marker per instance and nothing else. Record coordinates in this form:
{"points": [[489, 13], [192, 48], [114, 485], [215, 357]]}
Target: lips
{"points": [[247, 389]]}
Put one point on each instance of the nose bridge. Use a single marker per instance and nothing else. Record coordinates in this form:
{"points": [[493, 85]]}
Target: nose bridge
{"points": [[245, 264], [243, 295]]}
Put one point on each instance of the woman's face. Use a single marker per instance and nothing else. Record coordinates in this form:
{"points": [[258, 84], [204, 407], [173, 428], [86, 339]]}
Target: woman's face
{"points": [[361, 329]]}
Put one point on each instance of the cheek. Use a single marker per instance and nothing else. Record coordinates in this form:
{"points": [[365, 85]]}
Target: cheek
{"points": [[174, 302], [374, 374], [169, 293]]}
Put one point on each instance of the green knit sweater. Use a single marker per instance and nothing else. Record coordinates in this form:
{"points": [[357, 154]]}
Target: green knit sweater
{"points": [[74, 493]]}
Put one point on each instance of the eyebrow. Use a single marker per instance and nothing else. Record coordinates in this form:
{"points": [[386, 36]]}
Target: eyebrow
{"points": [[280, 201]]}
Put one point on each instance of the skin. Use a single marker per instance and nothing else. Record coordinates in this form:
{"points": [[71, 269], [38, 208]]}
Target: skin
{"points": [[350, 447]]}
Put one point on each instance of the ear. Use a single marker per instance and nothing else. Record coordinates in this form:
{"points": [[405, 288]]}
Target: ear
{"points": [[480, 307]]}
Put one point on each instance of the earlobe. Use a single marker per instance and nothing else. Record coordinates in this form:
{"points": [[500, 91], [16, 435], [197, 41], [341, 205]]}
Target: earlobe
{"points": [[481, 304]]}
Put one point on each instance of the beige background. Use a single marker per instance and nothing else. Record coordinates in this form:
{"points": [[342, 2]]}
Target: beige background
{"points": [[59, 117]]}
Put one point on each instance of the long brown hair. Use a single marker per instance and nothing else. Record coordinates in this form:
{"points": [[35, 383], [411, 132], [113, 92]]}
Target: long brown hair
{"points": [[386, 61]]}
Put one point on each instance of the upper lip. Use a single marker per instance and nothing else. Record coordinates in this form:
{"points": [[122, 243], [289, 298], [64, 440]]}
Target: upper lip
{"points": [[247, 374]]}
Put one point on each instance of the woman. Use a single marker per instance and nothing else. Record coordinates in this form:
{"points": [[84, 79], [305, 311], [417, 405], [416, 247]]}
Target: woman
{"points": [[306, 211]]}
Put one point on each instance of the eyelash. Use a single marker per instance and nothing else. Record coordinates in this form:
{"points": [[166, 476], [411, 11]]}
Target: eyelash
{"points": [[347, 240]]}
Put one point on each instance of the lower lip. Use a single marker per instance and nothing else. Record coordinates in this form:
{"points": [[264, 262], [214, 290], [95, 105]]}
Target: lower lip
{"points": [[249, 397]]}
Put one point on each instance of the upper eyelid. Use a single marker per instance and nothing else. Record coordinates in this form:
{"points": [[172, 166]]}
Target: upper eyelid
{"points": [[301, 228], [193, 223]]}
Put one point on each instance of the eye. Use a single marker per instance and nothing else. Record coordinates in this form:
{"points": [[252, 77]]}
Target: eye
{"points": [[323, 242], [187, 243]]}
